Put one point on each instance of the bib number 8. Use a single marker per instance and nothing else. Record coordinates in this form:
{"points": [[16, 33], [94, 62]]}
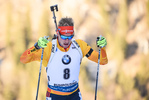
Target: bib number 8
{"points": [[66, 73]]}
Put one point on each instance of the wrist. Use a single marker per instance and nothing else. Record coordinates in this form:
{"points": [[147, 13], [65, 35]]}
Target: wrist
{"points": [[36, 46]]}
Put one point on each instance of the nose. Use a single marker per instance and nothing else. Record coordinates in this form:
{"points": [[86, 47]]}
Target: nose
{"points": [[67, 40]]}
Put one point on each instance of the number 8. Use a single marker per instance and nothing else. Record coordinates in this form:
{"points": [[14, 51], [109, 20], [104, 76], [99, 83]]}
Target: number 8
{"points": [[66, 73]]}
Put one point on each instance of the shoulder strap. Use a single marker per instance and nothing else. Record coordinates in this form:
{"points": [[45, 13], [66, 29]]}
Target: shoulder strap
{"points": [[53, 50], [77, 46]]}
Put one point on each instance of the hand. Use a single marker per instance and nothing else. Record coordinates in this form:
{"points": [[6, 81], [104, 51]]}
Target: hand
{"points": [[101, 41], [42, 42]]}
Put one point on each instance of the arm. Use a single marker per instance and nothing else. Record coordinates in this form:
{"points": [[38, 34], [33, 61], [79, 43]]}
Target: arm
{"points": [[33, 54], [103, 56], [92, 54]]}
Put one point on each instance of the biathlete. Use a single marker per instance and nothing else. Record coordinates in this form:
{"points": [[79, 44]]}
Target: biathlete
{"points": [[62, 58]]}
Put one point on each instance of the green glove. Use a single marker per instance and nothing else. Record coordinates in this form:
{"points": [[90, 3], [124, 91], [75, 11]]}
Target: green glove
{"points": [[42, 42], [101, 42]]}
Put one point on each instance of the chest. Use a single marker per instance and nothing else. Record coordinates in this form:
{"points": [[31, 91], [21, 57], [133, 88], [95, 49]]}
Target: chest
{"points": [[62, 60]]}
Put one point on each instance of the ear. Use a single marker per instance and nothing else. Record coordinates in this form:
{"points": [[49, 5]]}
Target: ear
{"points": [[57, 33]]}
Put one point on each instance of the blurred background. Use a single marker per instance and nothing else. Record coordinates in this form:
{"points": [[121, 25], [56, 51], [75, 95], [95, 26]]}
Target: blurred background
{"points": [[124, 23]]}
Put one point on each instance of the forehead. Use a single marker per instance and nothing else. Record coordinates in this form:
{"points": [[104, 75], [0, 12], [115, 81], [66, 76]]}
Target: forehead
{"points": [[67, 34]]}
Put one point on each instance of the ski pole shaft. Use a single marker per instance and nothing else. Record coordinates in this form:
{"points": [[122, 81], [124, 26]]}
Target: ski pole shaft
{"points": [[54, 7], [97, 75], [96, 87], [39, 74], [55, 20]]}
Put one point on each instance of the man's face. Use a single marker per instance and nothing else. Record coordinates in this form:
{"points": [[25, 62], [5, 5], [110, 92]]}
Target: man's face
{"points": [[64, 42]]}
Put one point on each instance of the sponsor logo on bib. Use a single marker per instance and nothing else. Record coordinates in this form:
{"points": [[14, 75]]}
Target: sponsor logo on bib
{"points": [[66, 59]]}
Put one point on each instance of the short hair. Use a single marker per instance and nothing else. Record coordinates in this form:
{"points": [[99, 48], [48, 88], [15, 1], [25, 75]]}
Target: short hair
{"points": [[66, 22]]}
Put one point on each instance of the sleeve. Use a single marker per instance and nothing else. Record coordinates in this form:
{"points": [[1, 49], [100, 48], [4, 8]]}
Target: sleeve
{"points": [[92, 54], [32, 54]]}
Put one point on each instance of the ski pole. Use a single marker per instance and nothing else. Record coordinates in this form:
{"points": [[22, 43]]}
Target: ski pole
{"points": [[39, 74], [97, 72], [54, 7]]}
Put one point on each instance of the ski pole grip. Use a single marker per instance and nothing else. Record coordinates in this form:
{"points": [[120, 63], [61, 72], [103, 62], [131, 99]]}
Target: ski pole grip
{"points": [[99, 38]]}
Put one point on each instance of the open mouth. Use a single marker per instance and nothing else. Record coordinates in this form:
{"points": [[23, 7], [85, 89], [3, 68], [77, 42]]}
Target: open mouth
{"points": [[65, 43]]}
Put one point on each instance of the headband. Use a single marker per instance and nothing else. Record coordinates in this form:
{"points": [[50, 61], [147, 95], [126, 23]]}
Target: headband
{"points": [[66, 30]]}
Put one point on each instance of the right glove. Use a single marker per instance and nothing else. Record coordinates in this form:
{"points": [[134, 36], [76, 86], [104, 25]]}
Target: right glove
{"points": [[101, 42], [42, 42]]}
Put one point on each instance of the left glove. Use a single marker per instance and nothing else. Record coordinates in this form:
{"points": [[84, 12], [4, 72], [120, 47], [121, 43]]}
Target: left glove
{"points": [[101, 41]]}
